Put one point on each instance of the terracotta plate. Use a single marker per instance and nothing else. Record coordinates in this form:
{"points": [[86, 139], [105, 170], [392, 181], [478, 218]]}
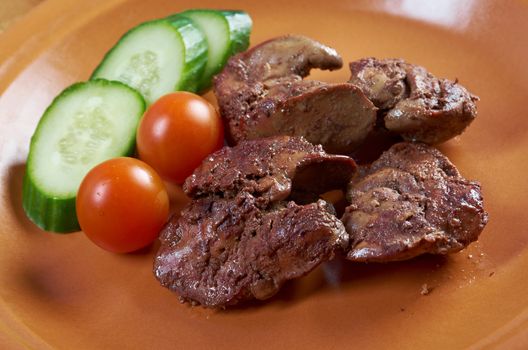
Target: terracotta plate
{"points": [[61, 291]]}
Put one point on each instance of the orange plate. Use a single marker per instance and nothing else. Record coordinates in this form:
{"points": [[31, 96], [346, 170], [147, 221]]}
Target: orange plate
{"points": [[61, 291]]}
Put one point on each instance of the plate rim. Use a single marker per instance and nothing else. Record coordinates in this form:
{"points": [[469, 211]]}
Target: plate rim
{"points": [[20, 44]]}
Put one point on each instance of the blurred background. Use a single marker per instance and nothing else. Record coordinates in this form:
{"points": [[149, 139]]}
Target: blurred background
{"points": [[10, 10]]}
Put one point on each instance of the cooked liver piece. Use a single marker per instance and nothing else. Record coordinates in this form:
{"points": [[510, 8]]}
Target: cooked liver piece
{"points": [[415, 104], [261, 93], [411, 201], [242, 236], [272, 169]]}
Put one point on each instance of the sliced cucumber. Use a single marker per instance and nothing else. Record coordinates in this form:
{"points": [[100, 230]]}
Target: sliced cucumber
{"points": [[85, 125], [227, 32], [157, 57]]}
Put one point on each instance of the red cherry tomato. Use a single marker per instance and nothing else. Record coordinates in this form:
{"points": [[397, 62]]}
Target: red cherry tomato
{"points": [[122, 205], [177, 132]]}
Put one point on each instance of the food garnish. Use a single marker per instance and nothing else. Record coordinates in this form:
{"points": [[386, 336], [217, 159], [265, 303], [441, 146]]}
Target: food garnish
{"points": [[122, 204], [178, 53], [177, 132], [85, 125], [93, 121]]}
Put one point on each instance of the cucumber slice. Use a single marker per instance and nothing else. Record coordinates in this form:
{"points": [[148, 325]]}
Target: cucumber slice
{"points": [[227, 32], [157, 57], [85, 125]]}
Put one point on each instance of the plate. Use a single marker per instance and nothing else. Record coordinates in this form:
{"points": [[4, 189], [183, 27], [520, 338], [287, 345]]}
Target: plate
{"points": [[61, 291]]}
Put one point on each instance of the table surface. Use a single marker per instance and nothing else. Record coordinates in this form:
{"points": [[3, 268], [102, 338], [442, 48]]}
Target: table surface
{"points": [[11, 10]]}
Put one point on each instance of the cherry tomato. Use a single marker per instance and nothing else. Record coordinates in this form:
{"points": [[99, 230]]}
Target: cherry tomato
{"points": [[122, 205], [177, 132]]}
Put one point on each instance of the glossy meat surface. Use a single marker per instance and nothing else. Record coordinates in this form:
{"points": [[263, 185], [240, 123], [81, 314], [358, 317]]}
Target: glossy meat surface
{"points": [[261, 93], [255, 221], [414, 103], [409, 202]]}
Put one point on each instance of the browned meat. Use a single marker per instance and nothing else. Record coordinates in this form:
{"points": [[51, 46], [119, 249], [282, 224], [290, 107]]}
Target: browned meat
{"points": [[261, 93], [273, 169], [222, 251], [243, 236], [415, 104], [411, 201]]}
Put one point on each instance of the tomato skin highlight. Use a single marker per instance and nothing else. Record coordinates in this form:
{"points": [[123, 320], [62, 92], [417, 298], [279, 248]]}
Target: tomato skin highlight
{"points": [[177, 132], [122, 205]]}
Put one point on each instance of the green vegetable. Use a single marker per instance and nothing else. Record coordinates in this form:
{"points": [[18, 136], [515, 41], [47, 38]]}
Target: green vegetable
{"points": [[157, 57], [226, 32], [85, 125]]}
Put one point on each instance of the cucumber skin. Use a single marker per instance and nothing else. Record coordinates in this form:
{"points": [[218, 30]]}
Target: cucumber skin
{"points": [[58, 214], [239, 24], [195, 54]]}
